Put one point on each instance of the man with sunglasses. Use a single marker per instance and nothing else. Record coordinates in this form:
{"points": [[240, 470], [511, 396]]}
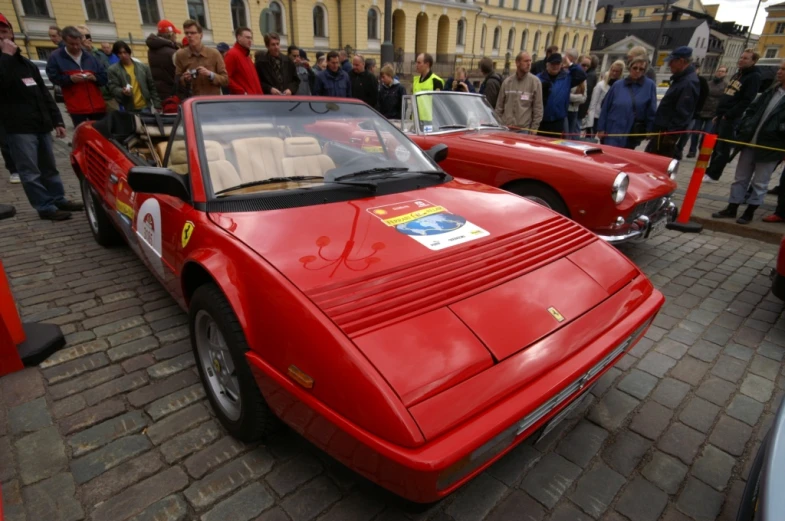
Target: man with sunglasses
{"points": [[104, 60]]}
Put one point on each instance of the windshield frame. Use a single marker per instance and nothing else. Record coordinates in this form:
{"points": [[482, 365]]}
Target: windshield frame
{"points": [[204, 173], [418, 131]]}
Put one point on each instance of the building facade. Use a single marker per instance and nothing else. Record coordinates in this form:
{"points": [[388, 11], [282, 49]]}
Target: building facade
{"points": [[455, 32], [772, 40]]}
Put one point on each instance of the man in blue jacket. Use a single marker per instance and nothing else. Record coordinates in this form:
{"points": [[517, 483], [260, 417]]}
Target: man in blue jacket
{"points": [[556, 85], [333, 81], [677, 107]]}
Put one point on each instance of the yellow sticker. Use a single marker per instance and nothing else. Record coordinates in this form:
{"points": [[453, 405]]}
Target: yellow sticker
{"points": [[555, 313], [125, 209], [188, 230]]}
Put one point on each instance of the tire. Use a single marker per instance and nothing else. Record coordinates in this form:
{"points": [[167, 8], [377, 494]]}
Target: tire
{"points": [[101, 225], [539, 193], [219, 346]]}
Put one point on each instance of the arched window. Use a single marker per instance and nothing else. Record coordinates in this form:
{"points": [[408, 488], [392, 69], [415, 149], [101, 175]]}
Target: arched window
{"points": [[373, 24], [585, 44], [319, 22], [564, 42], [497, 36], [525, 39], [536, 46], [460, 38], [239, 14], [482, 38], [548, 39], [511, 40], [575, 42], [272, 19]]}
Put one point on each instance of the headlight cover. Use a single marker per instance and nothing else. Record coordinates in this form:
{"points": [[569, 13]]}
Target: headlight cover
{"points": [[673, 168], [619, 189]]}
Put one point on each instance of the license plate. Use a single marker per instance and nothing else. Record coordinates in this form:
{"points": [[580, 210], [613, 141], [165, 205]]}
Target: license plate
{"points": [[556, 420], [658, 227]]}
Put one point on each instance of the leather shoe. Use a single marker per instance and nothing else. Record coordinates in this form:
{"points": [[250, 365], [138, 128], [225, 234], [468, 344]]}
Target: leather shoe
{"points": [[773, 218], [55, 215], [70, 206]]}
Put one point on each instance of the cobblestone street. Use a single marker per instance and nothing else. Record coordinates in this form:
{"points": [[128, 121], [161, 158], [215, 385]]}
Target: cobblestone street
{"points": [[116, 425]]}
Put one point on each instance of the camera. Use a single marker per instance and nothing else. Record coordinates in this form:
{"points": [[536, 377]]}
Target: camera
{"points": [[193, 73]]}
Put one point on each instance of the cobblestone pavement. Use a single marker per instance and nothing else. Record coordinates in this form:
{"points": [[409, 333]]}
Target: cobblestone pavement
{"points": [[116, 425]]}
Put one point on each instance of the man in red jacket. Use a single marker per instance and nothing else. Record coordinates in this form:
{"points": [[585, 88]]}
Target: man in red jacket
{"points": [[242, 74]]}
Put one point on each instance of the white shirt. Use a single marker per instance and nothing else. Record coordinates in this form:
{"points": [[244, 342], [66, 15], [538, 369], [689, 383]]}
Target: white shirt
{"points": [[77, 58]]}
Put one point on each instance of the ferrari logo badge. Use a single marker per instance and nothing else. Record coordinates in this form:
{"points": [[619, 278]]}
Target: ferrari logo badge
{"points": [[188, 230], [555, 314]]}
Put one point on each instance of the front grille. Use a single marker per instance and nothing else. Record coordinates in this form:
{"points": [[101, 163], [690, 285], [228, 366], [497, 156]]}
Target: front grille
{"points": [[649, 208]]}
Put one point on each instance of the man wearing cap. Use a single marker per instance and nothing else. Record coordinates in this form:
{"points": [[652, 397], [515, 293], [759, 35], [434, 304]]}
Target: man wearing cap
{"points": [[242, 74], [29, 114], [742, 89], [674, 114], [161, 48], [556, 85]]}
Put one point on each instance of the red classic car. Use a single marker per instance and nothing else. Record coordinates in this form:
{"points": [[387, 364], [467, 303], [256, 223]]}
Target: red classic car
{"points": [[619, 194], [413, 325]]}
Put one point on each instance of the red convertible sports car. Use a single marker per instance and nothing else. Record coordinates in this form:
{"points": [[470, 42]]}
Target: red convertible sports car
{"points": [[413, 325], [619, 194]]}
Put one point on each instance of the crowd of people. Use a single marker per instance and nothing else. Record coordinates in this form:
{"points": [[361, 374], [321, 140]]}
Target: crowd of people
{"points": [[561, 95]]}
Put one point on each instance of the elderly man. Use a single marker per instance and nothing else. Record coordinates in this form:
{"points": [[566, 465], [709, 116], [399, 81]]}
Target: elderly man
{"points": [[675, 111], [242, 74], [364, 85], [742, 89], [161, 49], [277, 73], [333, 81], [200, 69], [80, 76], [29, 115], [556, 85], [520, 97]]}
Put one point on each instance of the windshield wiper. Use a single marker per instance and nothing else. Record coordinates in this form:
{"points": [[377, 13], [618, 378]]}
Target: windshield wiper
{"points": [[447, 127], [371, 171], [269, 181]]}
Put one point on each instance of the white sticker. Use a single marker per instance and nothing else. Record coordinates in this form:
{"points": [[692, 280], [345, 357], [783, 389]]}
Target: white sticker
{"points": [[148, 231], [525, 96], [402, 154], [29, 82]]}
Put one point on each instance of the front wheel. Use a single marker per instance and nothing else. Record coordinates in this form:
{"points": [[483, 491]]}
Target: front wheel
{"points": [[103, 230], [219, 346], [540, 194]]}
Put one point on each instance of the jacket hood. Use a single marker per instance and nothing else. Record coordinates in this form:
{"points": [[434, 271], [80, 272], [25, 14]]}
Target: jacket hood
{"points": [[155, 42]]}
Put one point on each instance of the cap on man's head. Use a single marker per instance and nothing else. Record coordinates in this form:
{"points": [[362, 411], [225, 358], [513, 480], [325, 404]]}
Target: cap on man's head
{"points": [[223, 47], [165, 26], [303, 55], [4, 21], [680, 52], [554, 58]]}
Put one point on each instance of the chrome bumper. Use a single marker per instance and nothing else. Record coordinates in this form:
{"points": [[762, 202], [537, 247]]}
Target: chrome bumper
{"points": [[640, 228]]}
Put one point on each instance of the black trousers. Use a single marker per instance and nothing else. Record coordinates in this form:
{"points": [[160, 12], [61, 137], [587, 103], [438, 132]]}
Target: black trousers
{"points": [[7, 159], [721, 155]]}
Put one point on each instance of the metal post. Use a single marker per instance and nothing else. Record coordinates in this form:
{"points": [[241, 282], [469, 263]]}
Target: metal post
{"points": [[388, 53], [749, 32], [659, 36]]}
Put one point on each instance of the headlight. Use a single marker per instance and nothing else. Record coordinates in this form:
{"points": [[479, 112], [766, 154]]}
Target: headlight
{"points": [[619, 189], [673, 168]]}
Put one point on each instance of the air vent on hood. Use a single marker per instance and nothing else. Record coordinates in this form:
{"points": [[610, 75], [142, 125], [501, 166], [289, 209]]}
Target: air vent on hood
{"points": [[417, 288]]}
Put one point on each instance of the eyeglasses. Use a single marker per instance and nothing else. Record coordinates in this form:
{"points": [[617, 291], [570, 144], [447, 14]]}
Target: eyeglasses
{"points": [[639, 69]]}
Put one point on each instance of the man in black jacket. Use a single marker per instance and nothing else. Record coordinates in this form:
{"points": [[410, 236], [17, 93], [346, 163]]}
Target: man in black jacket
{"points": [[702, 96], [277, 72], [539, 66], [364, 85], [742, 89], [29, 114], [492, 82], [161, 49]]}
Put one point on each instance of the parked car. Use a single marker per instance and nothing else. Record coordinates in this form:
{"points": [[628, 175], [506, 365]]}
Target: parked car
{"points": [[413, 325], [619, 194], [56, 91]]}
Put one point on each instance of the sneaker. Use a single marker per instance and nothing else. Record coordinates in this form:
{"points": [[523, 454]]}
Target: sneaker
{"points": [[56, 215], [773, 218], [69, 206], [707, 179], [15, 179]]}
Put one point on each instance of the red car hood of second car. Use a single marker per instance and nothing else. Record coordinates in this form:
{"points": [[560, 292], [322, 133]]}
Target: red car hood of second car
{"points": [[418, 313]]}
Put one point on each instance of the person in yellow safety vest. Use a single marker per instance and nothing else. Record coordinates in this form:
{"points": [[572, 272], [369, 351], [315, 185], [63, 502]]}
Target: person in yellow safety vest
{"points": [[425, 82]]}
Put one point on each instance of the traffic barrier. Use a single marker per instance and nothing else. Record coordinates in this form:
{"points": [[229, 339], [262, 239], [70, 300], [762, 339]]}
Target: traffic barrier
{"points": [[682, 222], [22, 344]]}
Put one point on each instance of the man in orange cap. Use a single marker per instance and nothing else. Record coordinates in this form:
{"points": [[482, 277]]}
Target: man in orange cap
{"points": [[160, 56]]}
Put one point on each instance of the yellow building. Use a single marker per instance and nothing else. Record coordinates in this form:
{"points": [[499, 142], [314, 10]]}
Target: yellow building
{"points": [[772, 40], [453, 31]]}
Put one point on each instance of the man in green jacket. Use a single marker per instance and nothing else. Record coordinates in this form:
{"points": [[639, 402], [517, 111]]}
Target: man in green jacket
{"points": [[131, 82]]}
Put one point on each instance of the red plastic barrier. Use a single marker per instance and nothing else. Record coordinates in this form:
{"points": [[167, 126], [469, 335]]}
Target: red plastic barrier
{"points": [[709, 140], [11, 331]]}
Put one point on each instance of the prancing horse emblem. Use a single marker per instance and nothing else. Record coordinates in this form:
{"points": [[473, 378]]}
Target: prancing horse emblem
{"points": [[555, 314]]}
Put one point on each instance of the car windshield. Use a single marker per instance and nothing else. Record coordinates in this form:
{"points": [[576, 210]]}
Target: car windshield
{"points": [[445, 111], [254, 146]]}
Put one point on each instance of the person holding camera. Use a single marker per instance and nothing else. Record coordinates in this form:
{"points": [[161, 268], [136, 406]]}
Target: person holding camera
{"points": [[200, 69], [459, 82], [131, 82]]}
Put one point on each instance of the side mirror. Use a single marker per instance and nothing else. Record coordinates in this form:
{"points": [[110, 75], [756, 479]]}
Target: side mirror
{"points": [[155, 180], [438, 152]]}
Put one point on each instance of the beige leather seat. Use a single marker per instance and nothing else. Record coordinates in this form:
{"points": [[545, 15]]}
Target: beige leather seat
{"points": [[303, 156], [178, 158], [258, 158], [222, 172]]}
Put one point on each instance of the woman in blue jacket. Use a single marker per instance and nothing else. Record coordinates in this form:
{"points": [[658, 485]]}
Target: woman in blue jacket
{"points": [[629, 107]]}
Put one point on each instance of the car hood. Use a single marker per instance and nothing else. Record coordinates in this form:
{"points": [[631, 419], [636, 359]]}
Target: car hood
{"points": [[432, 310]]}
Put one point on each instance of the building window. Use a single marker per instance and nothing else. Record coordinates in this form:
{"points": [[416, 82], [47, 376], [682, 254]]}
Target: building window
{"points": [[525, 40], [578, 10], [564, 42], [771, 53], [536, 46], [96, 10], [197, 12], [272, 19], [373, 24], [149, 10], [239, 14], [318, 22], [665, 40], [641, 12], [497, 36], [36, 8], [529, 5], [511, 40], [460, 38], [501, 3], [575, 42], [548, 38], [555, 8], [779, 29], [542, 6], [482, 37]]}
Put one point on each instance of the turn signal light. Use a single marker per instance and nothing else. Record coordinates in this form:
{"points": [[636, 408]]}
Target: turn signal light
{"points": [[300, 377]]}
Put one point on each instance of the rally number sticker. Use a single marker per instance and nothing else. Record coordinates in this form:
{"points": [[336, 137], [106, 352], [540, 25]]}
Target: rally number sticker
{"points": [[148, 231]]}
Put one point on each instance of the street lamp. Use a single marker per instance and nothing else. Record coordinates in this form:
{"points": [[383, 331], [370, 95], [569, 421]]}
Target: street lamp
{"points": [[388, 53], [749, 33]]}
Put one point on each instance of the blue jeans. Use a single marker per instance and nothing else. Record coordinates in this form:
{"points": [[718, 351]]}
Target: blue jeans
{"points": [[35, 163]]}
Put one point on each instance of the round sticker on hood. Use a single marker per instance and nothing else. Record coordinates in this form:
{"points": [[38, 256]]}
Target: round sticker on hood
{"points": [[402, 154]]}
